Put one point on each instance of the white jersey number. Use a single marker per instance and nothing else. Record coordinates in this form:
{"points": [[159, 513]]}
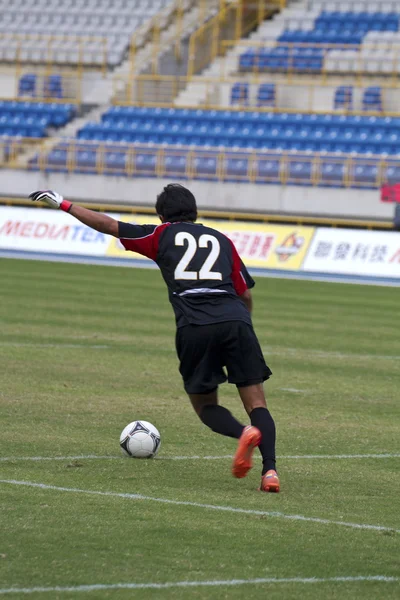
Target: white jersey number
{"points": [[205, 272]]}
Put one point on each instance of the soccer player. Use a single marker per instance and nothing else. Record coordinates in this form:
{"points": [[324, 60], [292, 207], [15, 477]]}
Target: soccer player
{"points": [[209, 289]]}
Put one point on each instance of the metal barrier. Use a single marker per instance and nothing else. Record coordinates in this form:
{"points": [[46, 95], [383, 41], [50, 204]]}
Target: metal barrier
{"points": [[299, 95], [45, 84], [234, 20], [254, 166], [55, 51], [359, 63], [166, 29]]}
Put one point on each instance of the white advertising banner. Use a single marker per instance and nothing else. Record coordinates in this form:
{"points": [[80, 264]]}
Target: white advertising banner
{"points": [[46, 230], [354, 252], [323, 250]]}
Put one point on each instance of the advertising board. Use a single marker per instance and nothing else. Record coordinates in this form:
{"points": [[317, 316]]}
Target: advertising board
{"points": [[46, 230], [326, 250], [354, 252], [260, 245]]}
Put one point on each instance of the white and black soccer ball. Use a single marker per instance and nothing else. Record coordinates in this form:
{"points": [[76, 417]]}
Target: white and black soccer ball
{"points": [[140, 439]]}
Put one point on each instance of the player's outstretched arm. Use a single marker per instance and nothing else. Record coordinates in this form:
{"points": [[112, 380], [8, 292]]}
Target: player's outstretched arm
{"points": [[95, 220]]}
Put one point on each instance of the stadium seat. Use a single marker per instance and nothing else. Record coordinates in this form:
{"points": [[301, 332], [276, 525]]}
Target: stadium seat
{"points": [[240, 94], [31, 119], [109, 24], [27, 85], [343, 99], [266, 95], [372, 99], [239, 129]]}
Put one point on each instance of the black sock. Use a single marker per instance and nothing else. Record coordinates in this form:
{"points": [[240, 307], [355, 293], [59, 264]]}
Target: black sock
{"points": [[220, 420], [261, 418]]}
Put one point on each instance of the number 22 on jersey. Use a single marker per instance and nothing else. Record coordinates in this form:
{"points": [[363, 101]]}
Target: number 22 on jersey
{"points": [[205, 272]]}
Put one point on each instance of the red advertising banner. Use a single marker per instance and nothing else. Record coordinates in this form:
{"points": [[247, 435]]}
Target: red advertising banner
{"points": [[390, 193]]}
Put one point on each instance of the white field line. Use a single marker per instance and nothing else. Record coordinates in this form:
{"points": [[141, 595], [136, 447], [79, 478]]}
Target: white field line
{"points": [[268, 350], [231, 509], [221, 457], [325, 354], [43, 345], [190, 584]]}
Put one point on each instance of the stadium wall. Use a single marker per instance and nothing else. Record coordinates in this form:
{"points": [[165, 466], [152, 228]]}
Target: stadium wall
{"points": [[245, 197], [296, 97]]}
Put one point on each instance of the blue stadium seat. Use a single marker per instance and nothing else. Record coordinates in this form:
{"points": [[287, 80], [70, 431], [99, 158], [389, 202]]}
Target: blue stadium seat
{"points": [[236, 168], [372, 99], [392, 174], [333, 27], [57, 157], [85, 160], [332, 173], [205, 167], [300, 171], [53, 86], [115, 162], [329, 133], [235, 131], [343, 98], [27, 85], [31, 119], [248, 60], [366, 174], [176, 165], [266, 95], [145, 164], [268, 170], [240, 94]]}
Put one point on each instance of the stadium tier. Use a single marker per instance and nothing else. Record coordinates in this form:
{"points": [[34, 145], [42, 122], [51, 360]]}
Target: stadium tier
{"points": [[332, 37], [246, 146], [251, 167], [241, 129], [71, 31], [27, 119], [257, 141]]}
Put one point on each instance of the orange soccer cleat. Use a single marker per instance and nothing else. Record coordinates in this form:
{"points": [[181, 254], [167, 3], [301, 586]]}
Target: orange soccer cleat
{"points": [[242, 462], [270, 482]]}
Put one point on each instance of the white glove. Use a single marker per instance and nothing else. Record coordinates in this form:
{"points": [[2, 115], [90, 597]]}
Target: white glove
{"points": [[52, 199]]}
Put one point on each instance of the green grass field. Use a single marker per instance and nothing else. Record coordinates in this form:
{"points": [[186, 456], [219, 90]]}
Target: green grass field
{"points": [[84, 350]]}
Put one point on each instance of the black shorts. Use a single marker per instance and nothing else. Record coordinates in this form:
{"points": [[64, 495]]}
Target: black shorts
{"points": [[204, 351]]}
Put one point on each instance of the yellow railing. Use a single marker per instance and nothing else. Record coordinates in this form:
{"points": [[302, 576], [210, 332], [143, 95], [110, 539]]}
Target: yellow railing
{"points": [[57, 52], [38, 84], [234, 20], [188, 163], [291, 219], [300, 95], [166, 30], [357, 65]]}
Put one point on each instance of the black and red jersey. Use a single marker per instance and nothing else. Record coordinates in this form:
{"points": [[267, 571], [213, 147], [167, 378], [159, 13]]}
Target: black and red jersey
{"points": [[201, 267]]}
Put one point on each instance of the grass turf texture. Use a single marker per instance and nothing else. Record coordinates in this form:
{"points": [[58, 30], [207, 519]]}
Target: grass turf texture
{"points": [[85, 349]]}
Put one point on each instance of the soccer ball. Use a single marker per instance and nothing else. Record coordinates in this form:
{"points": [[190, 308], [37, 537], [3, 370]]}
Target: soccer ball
{"points": [[140, 439]]}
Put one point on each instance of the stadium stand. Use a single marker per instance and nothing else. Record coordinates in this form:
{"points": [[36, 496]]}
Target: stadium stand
{"points": [[32, 120], [70, 31], [233, 129], [256, 141], [334, 37], [247, 145]]}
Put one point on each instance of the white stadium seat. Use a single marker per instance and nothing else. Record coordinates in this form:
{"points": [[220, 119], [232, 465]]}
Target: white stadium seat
{"points": [[114, 19]]}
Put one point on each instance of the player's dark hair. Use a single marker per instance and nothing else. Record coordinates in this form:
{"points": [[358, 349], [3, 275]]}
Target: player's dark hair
{"points": [[176, 203]]}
